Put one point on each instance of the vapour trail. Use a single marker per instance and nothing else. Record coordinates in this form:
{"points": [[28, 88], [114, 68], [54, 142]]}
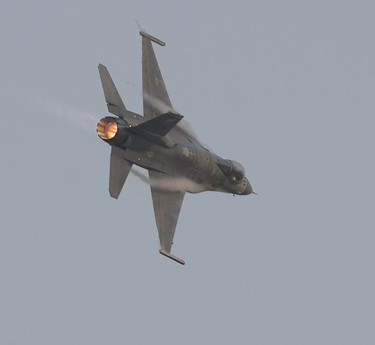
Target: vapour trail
{"points": [[163, 108], [78, 117], [170, 184], [141, 176]]}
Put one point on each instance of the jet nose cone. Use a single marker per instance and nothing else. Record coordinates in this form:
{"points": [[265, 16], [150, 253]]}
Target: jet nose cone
{"points": [[248, 190]]}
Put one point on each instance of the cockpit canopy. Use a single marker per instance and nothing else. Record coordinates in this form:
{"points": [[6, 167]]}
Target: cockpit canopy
{"points": [[232, 169]]}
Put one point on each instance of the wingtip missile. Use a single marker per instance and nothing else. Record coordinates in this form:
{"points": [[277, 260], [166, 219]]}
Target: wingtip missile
{"points": [[152, 38], [174, 258]]}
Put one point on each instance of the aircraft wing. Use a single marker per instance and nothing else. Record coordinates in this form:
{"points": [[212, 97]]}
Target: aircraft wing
{"points": [[167, 206], [155, 96]]}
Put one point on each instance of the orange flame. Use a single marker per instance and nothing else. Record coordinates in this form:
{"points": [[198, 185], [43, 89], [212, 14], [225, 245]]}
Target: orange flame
{"points": [[107, 128]]}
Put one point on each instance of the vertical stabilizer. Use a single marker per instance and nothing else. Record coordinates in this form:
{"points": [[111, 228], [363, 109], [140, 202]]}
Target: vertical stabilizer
{"points": [[114, 102]]}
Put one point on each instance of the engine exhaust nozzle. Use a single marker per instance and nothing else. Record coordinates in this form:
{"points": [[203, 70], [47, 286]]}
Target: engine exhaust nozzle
{"points": [[107, 128]]}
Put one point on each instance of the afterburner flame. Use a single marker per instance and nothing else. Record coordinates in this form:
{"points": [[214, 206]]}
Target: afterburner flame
{"points": [[107, 128]]}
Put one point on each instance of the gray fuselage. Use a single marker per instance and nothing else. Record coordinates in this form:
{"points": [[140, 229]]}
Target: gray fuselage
{"points": [[181, 157]]}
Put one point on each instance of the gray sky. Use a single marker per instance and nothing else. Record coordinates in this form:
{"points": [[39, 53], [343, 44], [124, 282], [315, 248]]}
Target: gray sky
{"points": [[285, 87]]}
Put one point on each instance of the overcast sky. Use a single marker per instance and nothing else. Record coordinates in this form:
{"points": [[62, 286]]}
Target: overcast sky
{"points": [[287, 88]]}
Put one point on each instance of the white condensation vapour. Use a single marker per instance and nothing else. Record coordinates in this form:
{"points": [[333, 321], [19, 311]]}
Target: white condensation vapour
{"points": [[167, 183], [163, 108], [170, 184], [78, 117], [156, 103], [88, 121]]}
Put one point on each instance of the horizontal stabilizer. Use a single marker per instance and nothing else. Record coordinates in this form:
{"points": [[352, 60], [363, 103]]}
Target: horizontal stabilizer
{"points": [[118, 172], [158, 126], [169, 255]]}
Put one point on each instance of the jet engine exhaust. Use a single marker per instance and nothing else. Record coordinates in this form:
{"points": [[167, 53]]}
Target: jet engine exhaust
{"points": [[107, 128]]}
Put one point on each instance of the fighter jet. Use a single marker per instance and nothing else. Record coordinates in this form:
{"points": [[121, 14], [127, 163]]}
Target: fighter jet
{"points": [[160, 142]]}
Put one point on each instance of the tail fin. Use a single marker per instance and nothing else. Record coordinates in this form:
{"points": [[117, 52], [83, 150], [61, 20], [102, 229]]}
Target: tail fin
{"points": [[156, 129], [112, 97], [160, 125]]}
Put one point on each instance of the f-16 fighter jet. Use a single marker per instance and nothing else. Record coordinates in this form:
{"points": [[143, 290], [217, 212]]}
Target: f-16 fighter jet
{"points": [[162, 143]]}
